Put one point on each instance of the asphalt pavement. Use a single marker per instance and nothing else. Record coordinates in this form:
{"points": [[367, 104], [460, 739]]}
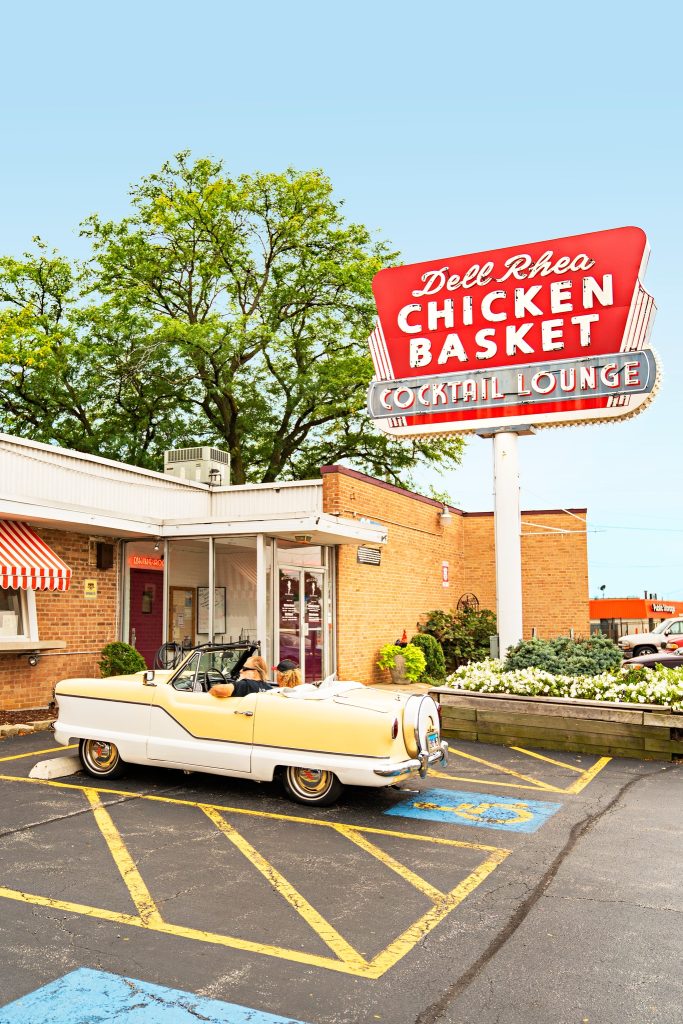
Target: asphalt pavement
{"points": [[515, 886]]}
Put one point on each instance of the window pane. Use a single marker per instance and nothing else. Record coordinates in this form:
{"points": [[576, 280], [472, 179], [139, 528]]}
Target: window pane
{"points": [[11, 623], [186, 677], [235, 574], [296, 554]]}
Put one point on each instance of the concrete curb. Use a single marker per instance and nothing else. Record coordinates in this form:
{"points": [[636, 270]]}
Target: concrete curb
{"points": [[56, 768], [26, 728]]}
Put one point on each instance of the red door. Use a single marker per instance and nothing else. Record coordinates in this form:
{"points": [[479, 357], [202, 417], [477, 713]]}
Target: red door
{"points": [[146, 612]]}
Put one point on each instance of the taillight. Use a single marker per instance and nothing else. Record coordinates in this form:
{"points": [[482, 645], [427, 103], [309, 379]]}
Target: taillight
{"points": [[394, 729]]}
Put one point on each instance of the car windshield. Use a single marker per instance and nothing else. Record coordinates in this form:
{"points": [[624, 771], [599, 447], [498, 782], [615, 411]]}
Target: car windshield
{"points": [[663, 626], [223, 661]]}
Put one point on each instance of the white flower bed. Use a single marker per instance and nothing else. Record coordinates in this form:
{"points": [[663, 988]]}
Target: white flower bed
{"points": [[650, 686]]}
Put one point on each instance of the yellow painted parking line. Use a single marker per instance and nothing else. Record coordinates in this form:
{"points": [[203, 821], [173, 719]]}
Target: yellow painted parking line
{"points": [[537, 783], [417, 931], [181, 931], [483, 782], [550, 760], [329, 935], [587, 776], [422, 884], [437, 840], [140, 894], [347, 961], [32, 753]]}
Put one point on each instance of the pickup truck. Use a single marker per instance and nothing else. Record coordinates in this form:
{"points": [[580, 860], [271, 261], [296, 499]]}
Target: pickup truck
{"points": [[632, 645]]}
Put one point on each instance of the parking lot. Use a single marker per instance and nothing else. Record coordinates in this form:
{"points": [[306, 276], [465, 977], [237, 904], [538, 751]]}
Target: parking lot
{"points": [[390, 906]]}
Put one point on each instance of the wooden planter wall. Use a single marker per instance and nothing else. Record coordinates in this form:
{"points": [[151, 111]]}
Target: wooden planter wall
{"points": [[648, 731]]}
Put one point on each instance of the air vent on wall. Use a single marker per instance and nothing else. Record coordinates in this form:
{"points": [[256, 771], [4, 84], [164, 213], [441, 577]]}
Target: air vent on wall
{"points": [[369, 556]]}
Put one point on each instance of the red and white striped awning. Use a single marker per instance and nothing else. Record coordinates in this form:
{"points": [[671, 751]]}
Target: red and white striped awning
{"points": [[27, 562]]}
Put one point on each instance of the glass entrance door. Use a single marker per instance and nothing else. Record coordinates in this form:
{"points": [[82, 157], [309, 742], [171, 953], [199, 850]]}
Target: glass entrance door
{"points": [[301, 620]]}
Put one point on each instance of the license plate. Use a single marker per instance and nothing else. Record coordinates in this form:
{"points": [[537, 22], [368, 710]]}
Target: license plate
{"points": [[432, 742]]}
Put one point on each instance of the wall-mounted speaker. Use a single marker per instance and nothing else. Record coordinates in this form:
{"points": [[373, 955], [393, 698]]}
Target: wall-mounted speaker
{"points": [[105, 555]]}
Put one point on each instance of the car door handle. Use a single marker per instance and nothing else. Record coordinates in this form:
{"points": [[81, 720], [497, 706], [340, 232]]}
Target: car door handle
{"points": [[249, 714]]}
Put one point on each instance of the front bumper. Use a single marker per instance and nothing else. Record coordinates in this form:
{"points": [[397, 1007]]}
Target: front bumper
{"points": [[420, 764]]}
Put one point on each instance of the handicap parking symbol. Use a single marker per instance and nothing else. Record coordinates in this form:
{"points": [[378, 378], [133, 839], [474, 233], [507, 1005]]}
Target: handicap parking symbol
{"points": [[87, 995], [481, 810]]}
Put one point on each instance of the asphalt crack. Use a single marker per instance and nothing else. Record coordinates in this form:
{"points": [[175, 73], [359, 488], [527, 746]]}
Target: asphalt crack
{"points": [[82, 810], [147, 995], [432, 1013]]}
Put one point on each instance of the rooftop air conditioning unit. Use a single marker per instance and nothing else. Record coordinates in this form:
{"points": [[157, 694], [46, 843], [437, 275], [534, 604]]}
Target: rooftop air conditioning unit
{"points": [[202, 464]]}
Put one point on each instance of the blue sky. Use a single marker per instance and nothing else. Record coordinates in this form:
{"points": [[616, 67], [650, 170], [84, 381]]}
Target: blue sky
{"points": [[448, 127]]}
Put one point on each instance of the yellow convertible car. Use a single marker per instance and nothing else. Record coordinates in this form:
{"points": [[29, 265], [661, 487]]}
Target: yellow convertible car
{"points": [[316, 738]]}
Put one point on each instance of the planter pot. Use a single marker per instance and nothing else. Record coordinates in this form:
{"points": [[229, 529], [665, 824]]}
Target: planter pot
{"points": [[647, 731], [398, 672]]}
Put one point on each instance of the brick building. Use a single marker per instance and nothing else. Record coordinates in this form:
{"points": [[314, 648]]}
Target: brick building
{"points": [[379, 602], [325, 571]]}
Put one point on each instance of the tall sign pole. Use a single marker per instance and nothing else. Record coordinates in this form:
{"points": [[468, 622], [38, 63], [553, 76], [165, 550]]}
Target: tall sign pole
{"points": [[507, 520], [530, 336]]}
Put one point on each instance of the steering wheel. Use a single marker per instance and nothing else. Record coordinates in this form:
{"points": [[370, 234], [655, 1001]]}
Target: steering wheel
{"points": [[213, 676]]}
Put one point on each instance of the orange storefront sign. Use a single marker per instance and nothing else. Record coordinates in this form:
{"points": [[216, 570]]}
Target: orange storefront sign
{"points": [[634, 608], [146, 562]]}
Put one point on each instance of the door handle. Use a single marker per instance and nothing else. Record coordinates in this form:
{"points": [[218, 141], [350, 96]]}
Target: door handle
{"points": [[249, 714]]}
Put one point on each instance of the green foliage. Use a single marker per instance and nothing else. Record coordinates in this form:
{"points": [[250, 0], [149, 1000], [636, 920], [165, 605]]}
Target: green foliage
{"points": [[464, 636], [565, 656], [119, 659], [224, 310], [412, 655], [435, 663]]}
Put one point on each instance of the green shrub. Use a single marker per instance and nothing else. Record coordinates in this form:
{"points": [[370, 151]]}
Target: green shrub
{"points": [[119, 659], [435, 663], [565, 656], [464, 636], [414, 659]]}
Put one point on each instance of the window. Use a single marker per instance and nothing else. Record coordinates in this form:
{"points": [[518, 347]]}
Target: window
{"points": [[185, 680], [12, 614]]}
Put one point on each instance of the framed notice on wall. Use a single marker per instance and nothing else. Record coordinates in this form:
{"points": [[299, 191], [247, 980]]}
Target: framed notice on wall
{"points": [[181, 618], [219, 622]]}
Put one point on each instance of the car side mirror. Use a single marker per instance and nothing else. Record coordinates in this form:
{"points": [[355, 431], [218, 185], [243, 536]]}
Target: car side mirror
{"points": [[148, 678]]}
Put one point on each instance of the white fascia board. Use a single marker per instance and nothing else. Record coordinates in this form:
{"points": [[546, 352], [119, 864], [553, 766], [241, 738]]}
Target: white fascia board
{"points": [[323, 529], [276, 485], [63, 518]]}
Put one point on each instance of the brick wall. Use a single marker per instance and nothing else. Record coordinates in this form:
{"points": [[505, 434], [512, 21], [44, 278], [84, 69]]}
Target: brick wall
{"points": [[376, 603], [86, 624], [555, 594]]}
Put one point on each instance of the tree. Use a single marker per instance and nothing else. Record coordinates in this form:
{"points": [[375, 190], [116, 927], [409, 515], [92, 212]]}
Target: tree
{"points": [[226, 311]]}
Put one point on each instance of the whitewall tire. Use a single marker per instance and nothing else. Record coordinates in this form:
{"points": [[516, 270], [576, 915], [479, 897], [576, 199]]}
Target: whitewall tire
{"points": [[101, 759], [311, 786]]}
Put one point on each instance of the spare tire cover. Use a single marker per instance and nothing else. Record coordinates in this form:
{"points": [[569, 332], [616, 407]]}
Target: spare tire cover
{"points": [[420, 716]]}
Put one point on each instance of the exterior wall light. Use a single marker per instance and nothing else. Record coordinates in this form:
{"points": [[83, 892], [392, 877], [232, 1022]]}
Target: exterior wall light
{"points": [[445, 516], [157, 544]]}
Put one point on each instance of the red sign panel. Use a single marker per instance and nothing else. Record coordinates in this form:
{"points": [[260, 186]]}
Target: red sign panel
{"points": [[547, 333]]}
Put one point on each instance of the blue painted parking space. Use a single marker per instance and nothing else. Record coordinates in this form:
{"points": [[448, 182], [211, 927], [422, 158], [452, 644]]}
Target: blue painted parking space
{"points": [[97, 997], [479, 810]]}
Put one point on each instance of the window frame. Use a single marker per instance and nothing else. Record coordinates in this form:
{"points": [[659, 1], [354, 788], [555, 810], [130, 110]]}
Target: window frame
{"points": [[29, 617]]}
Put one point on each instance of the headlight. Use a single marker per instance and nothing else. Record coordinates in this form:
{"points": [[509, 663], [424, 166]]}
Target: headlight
{"points": [[625, 643]]}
